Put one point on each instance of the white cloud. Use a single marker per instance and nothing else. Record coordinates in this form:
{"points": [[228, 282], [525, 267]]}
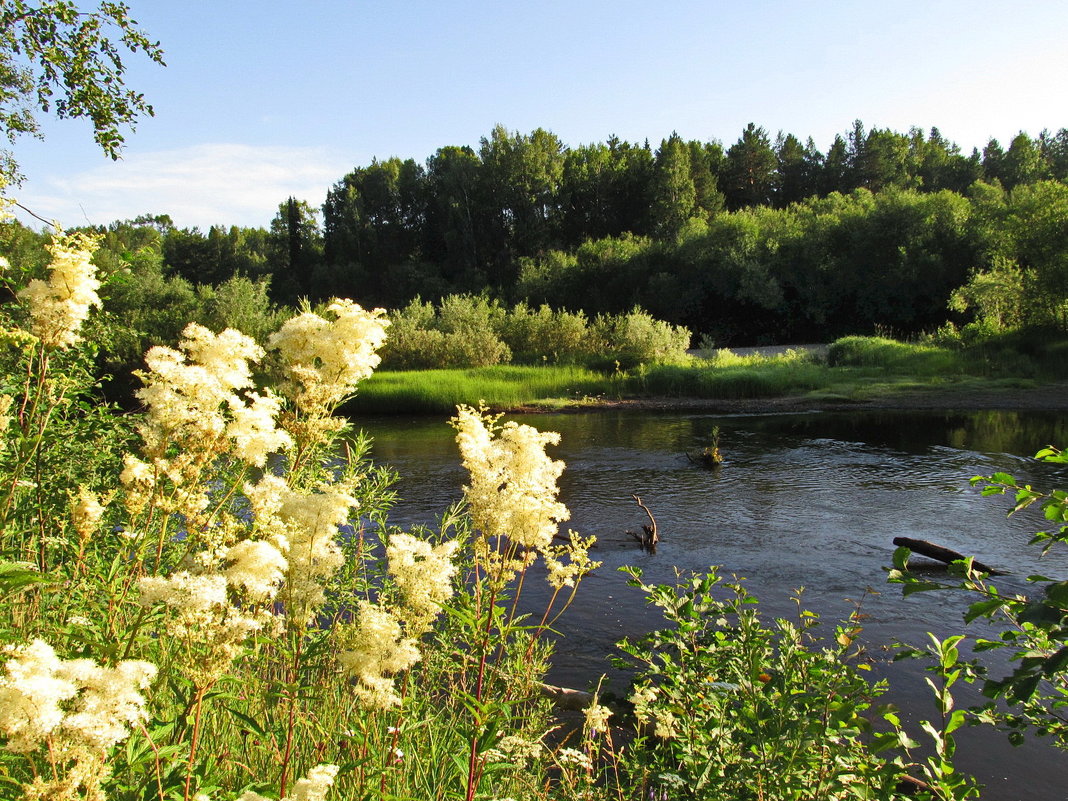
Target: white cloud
{"points": [[200, 185]]}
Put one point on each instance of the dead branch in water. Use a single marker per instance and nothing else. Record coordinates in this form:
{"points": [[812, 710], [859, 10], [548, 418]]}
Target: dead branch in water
{"points": [[649, 537]]}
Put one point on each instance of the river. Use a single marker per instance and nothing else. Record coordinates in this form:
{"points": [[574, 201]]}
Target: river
{"points": [[802, 500]]}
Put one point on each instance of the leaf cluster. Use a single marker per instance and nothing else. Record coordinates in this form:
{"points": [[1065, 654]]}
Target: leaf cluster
{"points": [[57, 57]]}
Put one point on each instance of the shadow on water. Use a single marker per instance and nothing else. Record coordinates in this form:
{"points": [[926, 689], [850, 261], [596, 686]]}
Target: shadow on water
{"points": [[804, 500]]}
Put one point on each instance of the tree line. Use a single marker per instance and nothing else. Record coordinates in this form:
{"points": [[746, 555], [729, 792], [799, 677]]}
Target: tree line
{"points": [[763, 240]]}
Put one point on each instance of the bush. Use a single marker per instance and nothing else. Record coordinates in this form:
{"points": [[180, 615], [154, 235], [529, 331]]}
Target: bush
{"points": [[556, 337], [731, 707], [459, 333], [637, 338]]}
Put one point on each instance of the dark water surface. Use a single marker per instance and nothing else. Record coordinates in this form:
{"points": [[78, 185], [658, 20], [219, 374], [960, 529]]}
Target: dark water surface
{"points": [[803, 500]]}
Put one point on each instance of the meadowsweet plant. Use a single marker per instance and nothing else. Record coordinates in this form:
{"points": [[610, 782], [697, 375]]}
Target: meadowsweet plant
{"points": [[200, 410], [60, 305], [65, 716], [512, 501], [46, 403]]}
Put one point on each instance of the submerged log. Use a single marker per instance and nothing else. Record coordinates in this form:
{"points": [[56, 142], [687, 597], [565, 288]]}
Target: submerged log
{"points": [[566, 698], [937, 552]]}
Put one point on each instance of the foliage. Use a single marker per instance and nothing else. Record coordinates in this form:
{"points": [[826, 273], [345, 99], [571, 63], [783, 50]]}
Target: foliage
{"points": [[1031, 629], [636, 338], [730, 707], [55, 55], [472, 331], [289, 634]]}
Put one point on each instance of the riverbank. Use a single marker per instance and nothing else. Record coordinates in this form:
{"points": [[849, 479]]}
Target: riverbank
{"points": [[1047, 397], [852, 372]]}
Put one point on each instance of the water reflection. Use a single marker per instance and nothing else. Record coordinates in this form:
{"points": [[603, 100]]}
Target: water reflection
{"points": [[810, 500]]}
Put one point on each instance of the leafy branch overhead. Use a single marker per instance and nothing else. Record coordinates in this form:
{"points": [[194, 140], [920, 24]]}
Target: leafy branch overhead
{"points": [[58, 58]]}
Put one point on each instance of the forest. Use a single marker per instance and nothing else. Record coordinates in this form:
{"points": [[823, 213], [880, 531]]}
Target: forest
{"points": [[764, 241]]}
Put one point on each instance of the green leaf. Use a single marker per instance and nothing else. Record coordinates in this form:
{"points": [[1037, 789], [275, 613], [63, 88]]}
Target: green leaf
{"points": [[16, 578], [1057, 662], [983, 609], [920, 586]]}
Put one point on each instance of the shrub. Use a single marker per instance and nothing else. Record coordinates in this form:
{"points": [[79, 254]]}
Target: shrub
{"points": [[545, 335], [637, 338]]}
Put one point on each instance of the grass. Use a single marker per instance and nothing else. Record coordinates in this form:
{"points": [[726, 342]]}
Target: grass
{"points": [[436, 391], [855, 368]]}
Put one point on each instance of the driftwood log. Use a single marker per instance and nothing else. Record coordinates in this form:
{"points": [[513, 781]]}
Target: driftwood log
{"points": [[937, 552], [566, 698]]}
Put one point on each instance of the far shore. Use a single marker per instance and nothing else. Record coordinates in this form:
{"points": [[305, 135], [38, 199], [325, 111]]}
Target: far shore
{"points": [[1048, 397]]}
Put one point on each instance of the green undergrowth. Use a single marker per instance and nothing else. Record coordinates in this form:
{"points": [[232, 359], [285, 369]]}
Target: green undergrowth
{"points": [[853, 369]]}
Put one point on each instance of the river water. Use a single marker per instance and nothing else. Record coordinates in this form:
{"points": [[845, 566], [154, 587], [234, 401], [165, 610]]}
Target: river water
{"points": [[802, 500]]}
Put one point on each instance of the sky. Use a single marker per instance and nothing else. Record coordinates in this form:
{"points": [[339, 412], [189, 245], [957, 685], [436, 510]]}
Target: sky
{"points": [[264, 100]]}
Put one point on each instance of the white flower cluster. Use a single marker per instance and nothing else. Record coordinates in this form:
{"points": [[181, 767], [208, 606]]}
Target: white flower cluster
{"points": [[597, 719], [325, 358], [513, 482], [76, 709], [512, 495], [192, 398], [423, 573], [378, 650], [304, 528], [86, 513], [215, 608], [312, 788], [565, 574], [59, 306], [41, 695], [647, 710]]}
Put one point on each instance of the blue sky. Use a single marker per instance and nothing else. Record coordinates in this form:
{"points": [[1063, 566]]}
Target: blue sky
{"points": [[262, 100]]}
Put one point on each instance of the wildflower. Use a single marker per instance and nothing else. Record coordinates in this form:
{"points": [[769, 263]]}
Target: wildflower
{"points": [[423, 574], [253, 429], [565, 574], [642, 698], [189, 392], [256, 567], [313, 788], [573, 757], [5, 418], [378, 650], [325, 358], [513, 482], [665, 727], [86, 513], [59, 306], [212, 629], [76, 709], [519, 750], [597, 718], [303, 526]]}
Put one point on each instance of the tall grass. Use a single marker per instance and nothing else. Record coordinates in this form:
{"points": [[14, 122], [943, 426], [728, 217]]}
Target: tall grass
{"points": [[440, 391], [855, 367]]}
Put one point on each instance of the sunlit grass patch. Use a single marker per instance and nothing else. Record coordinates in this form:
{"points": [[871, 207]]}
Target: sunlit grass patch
{"points": [[436, 391]]}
